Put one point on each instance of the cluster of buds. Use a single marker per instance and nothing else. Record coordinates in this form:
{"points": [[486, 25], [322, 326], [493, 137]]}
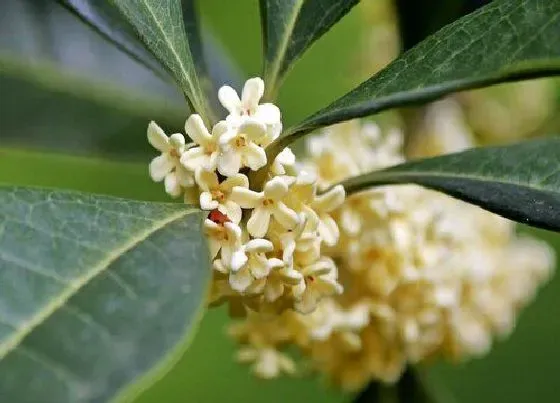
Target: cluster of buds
{"points": [[424, 275], [266, 243]]}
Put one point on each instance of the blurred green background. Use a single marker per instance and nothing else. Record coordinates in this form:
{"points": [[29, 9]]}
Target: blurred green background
{"points": [[63, 90]]}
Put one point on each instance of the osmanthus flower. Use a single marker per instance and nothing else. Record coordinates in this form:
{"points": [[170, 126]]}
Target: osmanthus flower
{"points": [[319, 280], [249, 263], [266, 204], [248, 107], [239, 148], [216, 195], [166, 167], [269, 258], [223, 238], [205, 154], [424, 275]]}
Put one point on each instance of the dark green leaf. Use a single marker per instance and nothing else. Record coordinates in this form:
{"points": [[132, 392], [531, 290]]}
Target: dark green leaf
{"points": [[504, 41], [105, 20], [290, 27], [160, 25], [95, 291], [417, 19], [520, 182]]}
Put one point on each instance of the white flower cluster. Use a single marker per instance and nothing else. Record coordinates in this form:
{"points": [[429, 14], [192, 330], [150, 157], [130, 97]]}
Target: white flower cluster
{"points": [[265, 244], [424, 274]]}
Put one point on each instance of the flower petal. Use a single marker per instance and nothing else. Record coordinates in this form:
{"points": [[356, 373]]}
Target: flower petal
{"points": [[218, 130], [268, 113], [275, 189], [229, 99], [246, 198], [259, 245], [206, 201], [229, 162], [259, 267], [234, 180], [328, 230], [287, 217], [255, 156], [177, 141], [214, 247], [238, 260], [252, 129], [252, 93], [207, 180], [259, 222], [197, 131], [194, 158], [172, 185], [329, 200], [240, 280], [160, 167], [157, 137], [232, 210]]}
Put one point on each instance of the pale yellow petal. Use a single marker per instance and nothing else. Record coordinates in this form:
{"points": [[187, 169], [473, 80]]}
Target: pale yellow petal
{"points": [[157, 138], [259, 221], [160, 167], [246, 198], [229, 99], [197, 131], [252, 93], [254, 155]]}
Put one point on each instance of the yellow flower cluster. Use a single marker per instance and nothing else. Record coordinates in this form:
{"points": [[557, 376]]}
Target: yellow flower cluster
{"points": [[424, 274], [266, 244]]}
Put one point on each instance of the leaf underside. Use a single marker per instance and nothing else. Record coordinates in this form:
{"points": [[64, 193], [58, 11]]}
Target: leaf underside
{"points": [[504, 41], [520, 182], [290, 27], [94, 291]]}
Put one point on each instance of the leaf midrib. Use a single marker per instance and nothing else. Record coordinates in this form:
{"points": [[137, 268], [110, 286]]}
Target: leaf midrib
{"points": [[283, 48], [75, 286], [173, 50], [395, 174]]}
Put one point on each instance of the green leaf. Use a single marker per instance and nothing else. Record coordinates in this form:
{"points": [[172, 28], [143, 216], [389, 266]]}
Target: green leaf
{"points": [[506, 40], [106, 21], [160, 25], [95, 292], [290, 27], [520, 182], [417, 19]]}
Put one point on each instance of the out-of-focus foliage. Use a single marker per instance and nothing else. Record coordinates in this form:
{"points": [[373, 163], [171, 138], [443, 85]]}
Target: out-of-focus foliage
{"points": [[38, 99]]}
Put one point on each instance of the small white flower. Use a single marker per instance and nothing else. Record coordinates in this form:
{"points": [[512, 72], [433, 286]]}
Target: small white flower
{"points": [[205, 155], [323, 205], [319, 280], [250, 263], [216, 194], [224, 237], [248, 106], [266, 204], [166, 166], [284, 161], [238, 148]]}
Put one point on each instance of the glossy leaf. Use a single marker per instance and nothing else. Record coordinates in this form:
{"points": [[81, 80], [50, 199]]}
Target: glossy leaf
{"points": [[290, 27], [506, 40], [107, 21], [94, 292], [417, 19], [520, 182], [160, 25]]}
